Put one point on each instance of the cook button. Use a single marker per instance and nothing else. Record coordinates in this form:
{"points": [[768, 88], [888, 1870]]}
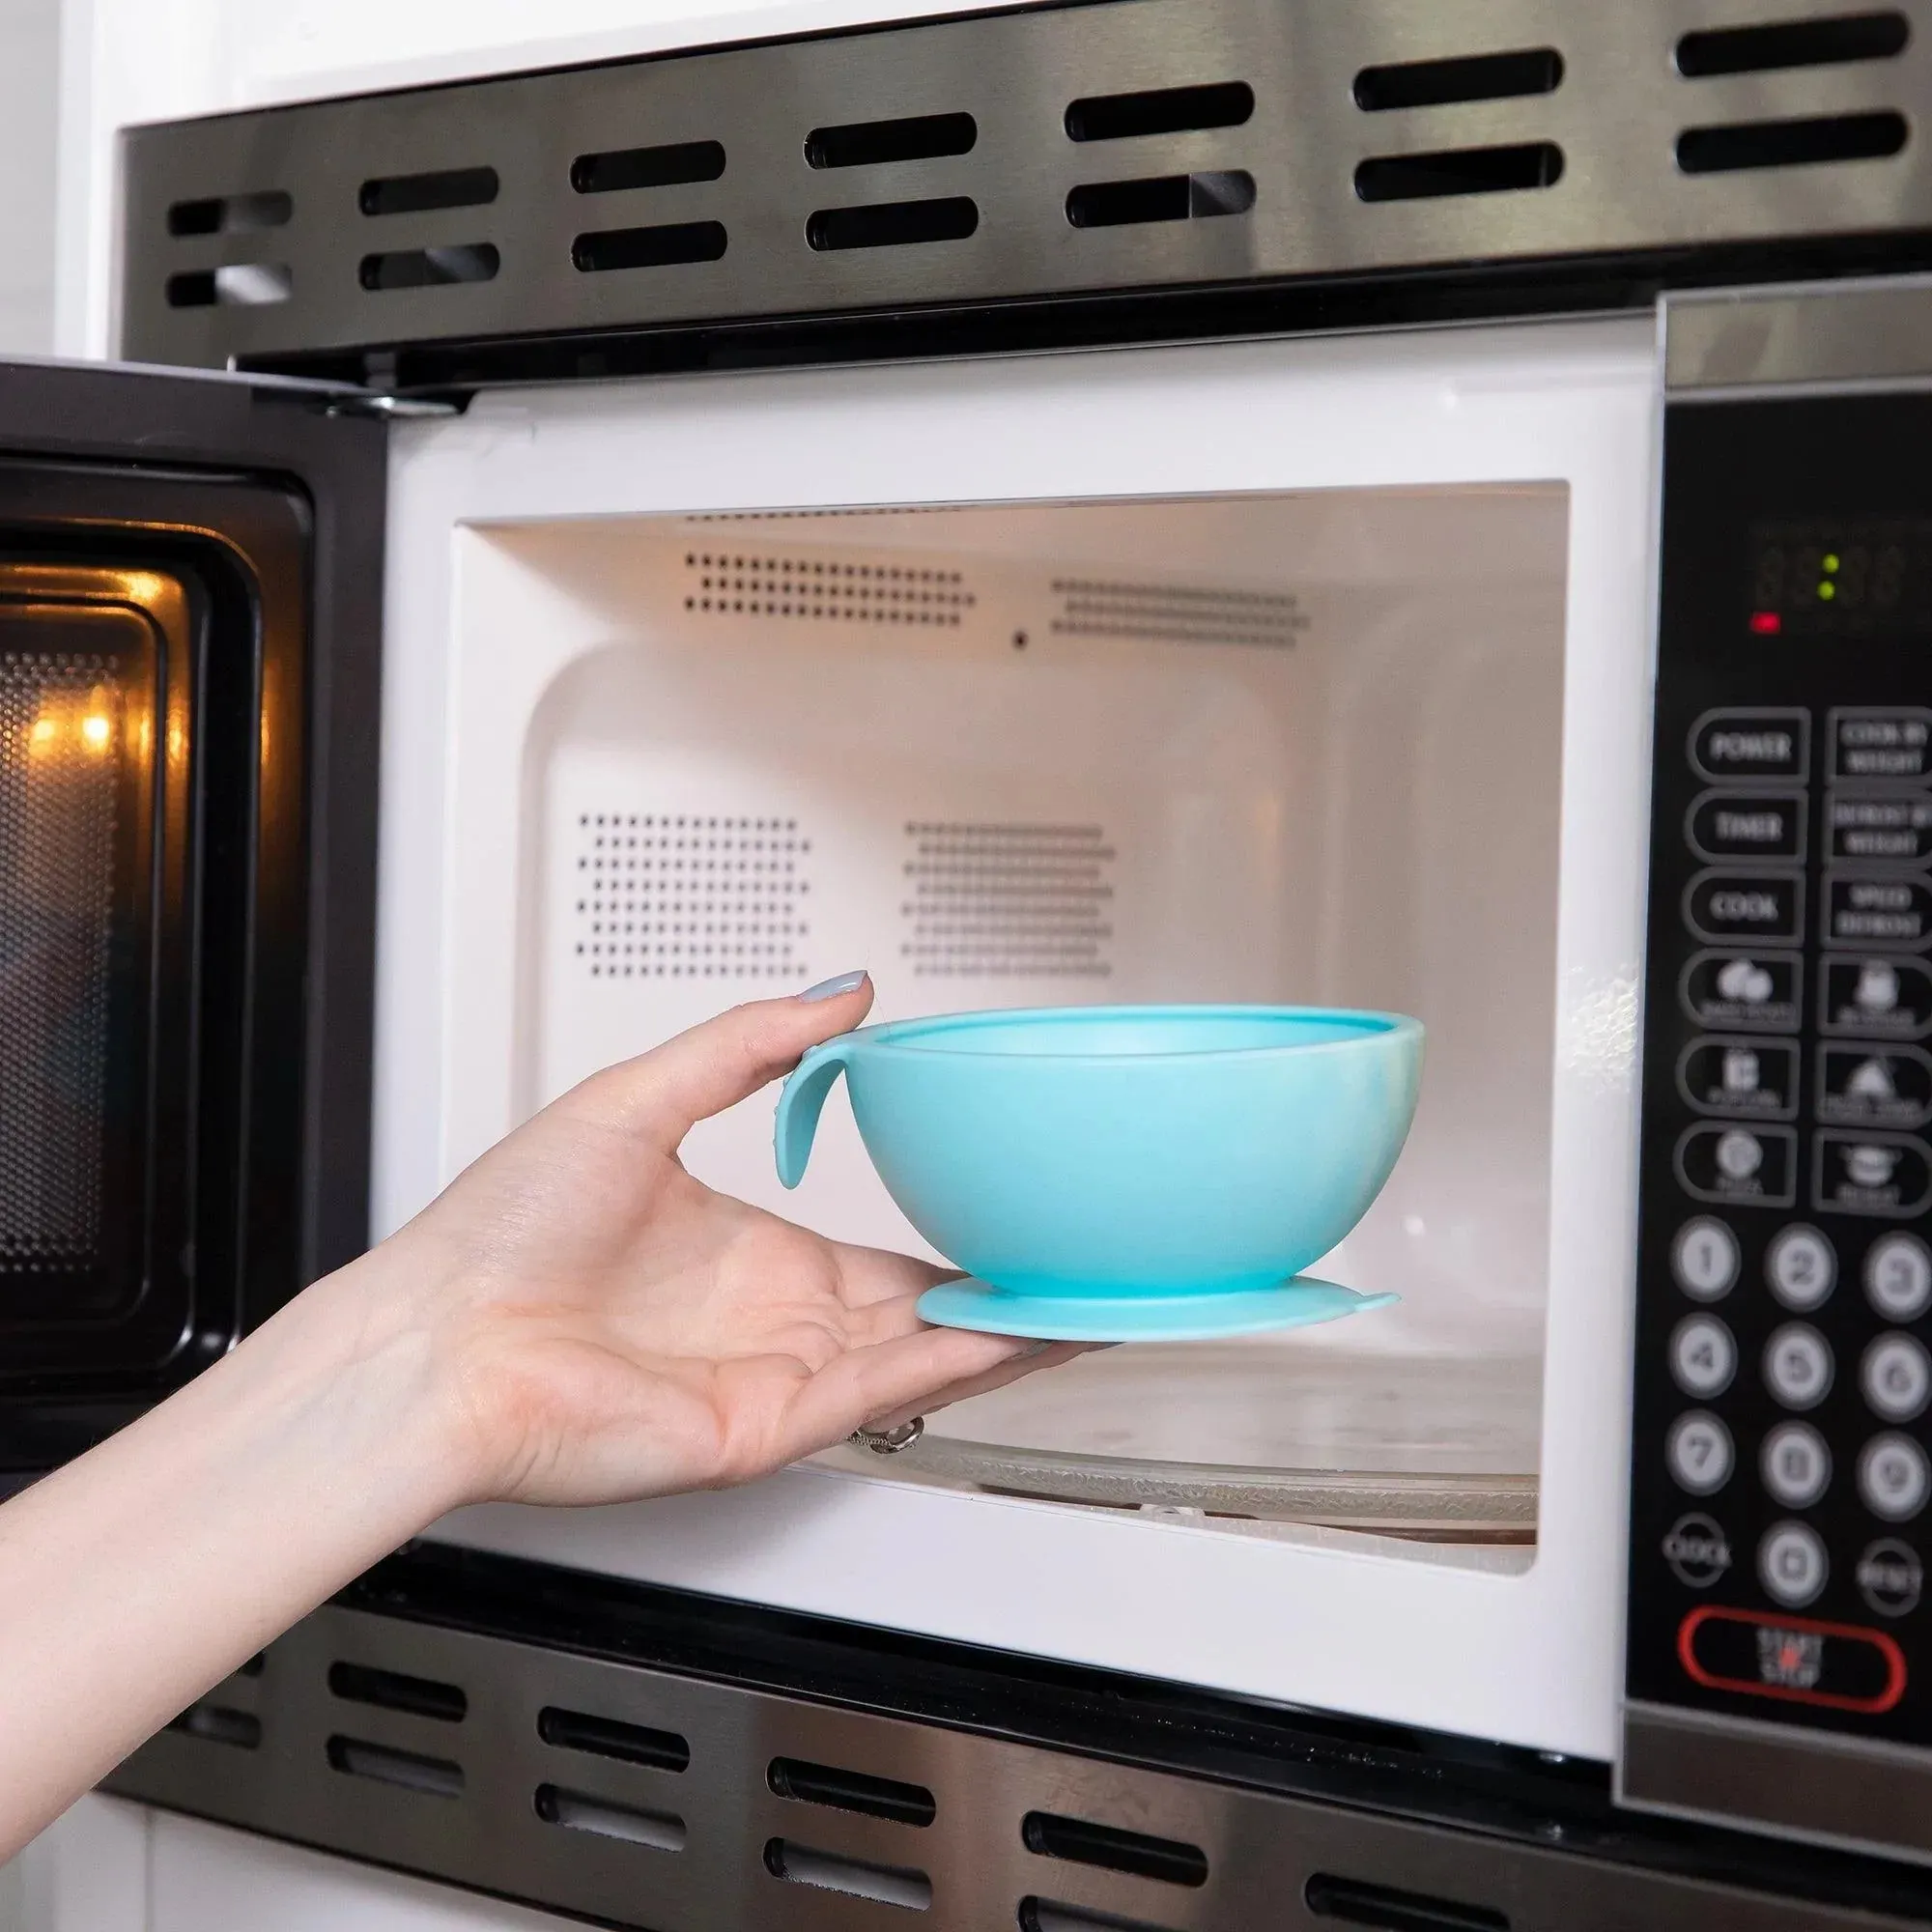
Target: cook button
{"points": [[1791, 1564], [1861, 909], [1876, 999], [1797, 1366], [1801, 1268], [1872, 1174], [1758, 991], [1704, 1258], [1760, 907], [1796, 1660], [1746, 825], [1874, 1086], [1880, 828], [1795, 1463], [1756, 1164], [1746, 1078], [1891, 741], [1698, 1451], [1890, 1578], [1893, 1478], [1703, 1357], [1895, 1377], [1898, 1276], [1752, 743]]}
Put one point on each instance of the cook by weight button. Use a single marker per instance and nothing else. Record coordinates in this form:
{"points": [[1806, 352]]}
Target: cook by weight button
{"points": [[1896, 1378], [1797, 1366], [1704, 1258], [1872, 1174], [1878, 910], [1751, 743], [1795, 1464], [1791, 1564], [1894, 1477], [1703, 1357], [1876, 999], [1878, 827], [1801, 1268], [1892, 741], [1764, 908], [1890, 1578], [1746, 825], [1874, 1086], [1699, 1454], [1755, 1165], [1748, 991], [1898, 1276], [1747, 1079]]}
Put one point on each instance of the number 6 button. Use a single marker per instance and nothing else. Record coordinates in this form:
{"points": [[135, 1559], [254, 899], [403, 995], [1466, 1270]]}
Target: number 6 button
{"points": [[1896, 1378]]}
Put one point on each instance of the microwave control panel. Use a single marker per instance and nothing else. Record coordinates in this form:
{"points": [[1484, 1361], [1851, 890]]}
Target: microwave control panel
{"points": [[1781, 1487]]}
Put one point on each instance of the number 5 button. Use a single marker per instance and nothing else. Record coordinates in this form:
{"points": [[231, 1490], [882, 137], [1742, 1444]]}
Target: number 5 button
{"points": [[1703, 1357], [1797, 1366]]}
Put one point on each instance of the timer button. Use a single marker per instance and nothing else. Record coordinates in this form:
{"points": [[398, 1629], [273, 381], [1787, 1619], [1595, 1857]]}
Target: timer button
{"points": [[1752, 743], [1746, 825]]}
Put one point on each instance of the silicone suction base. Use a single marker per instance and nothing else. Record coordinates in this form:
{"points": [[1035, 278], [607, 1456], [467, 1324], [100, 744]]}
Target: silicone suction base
{"points": [[1142, 1317]]}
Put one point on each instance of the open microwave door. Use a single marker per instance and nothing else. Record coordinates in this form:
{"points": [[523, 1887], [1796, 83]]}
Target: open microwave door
{"points": [[189, 651]]}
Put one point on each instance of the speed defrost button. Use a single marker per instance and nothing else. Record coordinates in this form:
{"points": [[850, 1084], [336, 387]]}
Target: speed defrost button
{"points": [[1750, 743]]}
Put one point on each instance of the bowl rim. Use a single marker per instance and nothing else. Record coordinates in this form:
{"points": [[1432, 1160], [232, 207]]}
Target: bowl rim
{"points": [[905, 1036]]}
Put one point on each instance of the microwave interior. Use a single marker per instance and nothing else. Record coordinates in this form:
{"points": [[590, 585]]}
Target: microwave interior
{"points": [[1296, 747]]}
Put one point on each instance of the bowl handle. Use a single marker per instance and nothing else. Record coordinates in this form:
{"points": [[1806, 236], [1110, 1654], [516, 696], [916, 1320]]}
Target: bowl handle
{"points": [[800, 1105]]}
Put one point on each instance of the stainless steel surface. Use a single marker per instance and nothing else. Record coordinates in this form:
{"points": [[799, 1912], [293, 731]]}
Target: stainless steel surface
{"points": [[585, 1832], [1273, 1431], [1615, 116], [1846, 333], [1845, 1791]]}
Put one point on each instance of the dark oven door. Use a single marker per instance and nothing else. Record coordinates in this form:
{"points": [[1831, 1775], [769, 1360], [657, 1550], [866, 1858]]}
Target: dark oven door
{"points": [[190, 609]]}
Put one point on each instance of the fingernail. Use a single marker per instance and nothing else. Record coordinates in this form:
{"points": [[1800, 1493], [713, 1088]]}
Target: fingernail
{"points": [[829, 989]]}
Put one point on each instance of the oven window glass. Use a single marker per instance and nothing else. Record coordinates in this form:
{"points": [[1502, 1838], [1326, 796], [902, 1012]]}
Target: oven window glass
{"points": [[1299, 747]]}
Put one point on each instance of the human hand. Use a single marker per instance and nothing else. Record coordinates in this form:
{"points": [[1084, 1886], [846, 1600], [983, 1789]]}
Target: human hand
{"points": [[603, 1327]]}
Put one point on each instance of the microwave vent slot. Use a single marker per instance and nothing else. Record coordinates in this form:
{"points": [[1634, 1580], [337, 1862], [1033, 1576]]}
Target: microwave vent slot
{"points": [[233, 285], [1176, 613], [845, 1790], [857, 1878], [392, 1691], [429, 267], [1122, 204], [828, 590], [1081, 1841], [871, 144], [1004, 901], [1777, 45], [1441, 83], [1388, 1908], [1161, 110], [59, 824], [668, 244], [607, 1737], [1791, 143], [425, 193], [893, 224], [1045, 1915], [220, 1724], [1447, 171], [231, 214], [690, 896], [672, 165], [577, 1811], [411, 1770]]}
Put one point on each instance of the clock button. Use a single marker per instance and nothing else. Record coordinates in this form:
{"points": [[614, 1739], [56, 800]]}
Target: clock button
{"points": [[1795, 1463], [1791, 1564], [1703, 1357], [1801, 1268], [1893, 1478], [1704, 1258], [1896, 1378], [1797, 1366], [1898, 1276], [1698, 1450]]}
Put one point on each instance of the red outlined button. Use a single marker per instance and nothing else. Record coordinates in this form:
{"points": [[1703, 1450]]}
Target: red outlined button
{"points": [[1838, 1667]]}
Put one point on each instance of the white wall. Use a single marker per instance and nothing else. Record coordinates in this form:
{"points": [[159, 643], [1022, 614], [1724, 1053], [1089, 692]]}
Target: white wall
{"points": [[29, 93]]}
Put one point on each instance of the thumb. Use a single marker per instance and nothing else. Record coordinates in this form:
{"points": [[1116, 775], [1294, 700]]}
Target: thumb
{"points": [[663, 1094]]}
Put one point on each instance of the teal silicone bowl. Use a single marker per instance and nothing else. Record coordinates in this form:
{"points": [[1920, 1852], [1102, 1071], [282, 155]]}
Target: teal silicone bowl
{"points": [[1122, 1151]]}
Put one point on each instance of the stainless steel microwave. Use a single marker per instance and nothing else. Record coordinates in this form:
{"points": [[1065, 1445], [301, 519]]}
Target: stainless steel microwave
{"points": [[1081, 503]]}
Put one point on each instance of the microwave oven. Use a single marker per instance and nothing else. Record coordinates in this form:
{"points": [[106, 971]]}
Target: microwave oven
{"points": [[1123, 501]]}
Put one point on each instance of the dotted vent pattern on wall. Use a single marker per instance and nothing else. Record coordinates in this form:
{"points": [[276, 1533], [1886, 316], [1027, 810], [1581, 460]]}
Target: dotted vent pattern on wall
{"points": [[1008, 901], [732, 583], [690, 896], [58, 807]]}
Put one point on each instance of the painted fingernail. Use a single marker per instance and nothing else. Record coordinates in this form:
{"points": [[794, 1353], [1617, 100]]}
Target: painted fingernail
{"points": [[829, 989]]}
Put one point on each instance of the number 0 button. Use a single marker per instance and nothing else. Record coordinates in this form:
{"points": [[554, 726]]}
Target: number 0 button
{"points": [[1704, 1258], [1797, 1366], [1896, 1378], [1703, 1357], [1791, 1564], [1698, 1450], [1898, 1277]]}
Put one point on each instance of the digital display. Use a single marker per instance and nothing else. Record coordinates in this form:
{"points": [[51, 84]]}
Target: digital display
{"points": [[1828, 578]]}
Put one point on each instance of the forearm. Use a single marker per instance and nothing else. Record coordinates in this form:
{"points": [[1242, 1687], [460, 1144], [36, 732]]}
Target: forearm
{"points": [[146, 1571]]}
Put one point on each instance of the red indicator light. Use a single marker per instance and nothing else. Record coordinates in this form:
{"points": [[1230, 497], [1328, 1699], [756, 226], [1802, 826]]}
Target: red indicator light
{"points": [[1766, 623]]}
